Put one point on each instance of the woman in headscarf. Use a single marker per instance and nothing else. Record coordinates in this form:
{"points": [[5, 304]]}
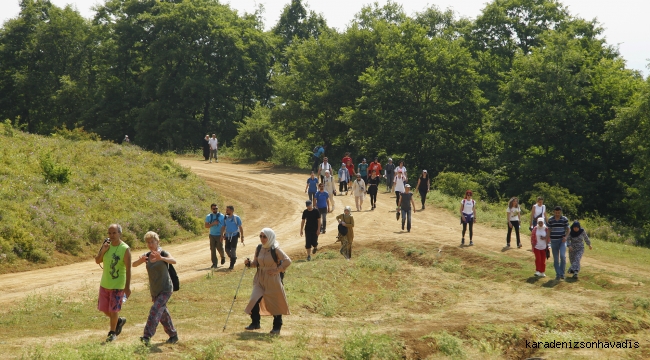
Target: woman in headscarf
{"points": [[540, 240], [346, 220], [373, 189], [576, 247], [268, 297], [206, 147], [359, 191]]}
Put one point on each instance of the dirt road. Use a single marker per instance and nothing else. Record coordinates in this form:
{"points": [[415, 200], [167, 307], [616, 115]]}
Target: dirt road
{"points": [[268, 197]]}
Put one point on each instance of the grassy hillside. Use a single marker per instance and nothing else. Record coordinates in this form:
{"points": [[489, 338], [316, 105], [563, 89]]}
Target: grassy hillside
{"points": [[58, 196]]}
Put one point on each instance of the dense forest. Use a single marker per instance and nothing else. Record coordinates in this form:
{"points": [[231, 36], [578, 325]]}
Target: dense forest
{"points": [[523, 98]]}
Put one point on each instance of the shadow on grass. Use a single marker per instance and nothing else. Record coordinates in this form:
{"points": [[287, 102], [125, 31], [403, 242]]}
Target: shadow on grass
{"points": [[551, 283], [254, 335], [533, 279]]}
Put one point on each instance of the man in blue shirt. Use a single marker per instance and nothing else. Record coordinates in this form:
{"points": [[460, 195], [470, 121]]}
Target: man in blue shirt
{"points": [[559, 227], [214, 221], [231, 232], [312, 186], [322, 203], [318, 151]]}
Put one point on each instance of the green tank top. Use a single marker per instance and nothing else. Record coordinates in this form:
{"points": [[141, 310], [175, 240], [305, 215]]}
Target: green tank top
{"points": [[114, 276]]}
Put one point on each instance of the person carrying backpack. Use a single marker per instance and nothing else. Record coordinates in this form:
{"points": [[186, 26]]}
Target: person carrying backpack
{"points": [[231, 232], [316, 154], [346, 232], [160, 287], [268, 296], [468, 216], [323, 167]]}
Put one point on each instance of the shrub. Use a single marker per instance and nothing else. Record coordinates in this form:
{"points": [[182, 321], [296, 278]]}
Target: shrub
{"points": [[455, 184], [53, 172], [254, 138], [448, 344], [554, 196], [38, 256], [362, 345], [184, 218], [290, 152], [76, 134], [95, 232], [141, 223]]}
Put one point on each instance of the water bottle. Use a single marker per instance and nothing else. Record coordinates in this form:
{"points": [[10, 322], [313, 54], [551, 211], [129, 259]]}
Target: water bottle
{"points": [[123, 298]]}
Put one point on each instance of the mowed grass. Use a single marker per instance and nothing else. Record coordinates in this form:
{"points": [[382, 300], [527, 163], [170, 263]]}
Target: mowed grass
{"points": [[392, 301], [47, 223]]}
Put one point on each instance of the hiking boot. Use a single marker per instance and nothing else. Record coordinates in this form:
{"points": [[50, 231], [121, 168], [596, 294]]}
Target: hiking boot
{"points": [[308, 257], [275, 332], [575, 276], [562, 277], [223, 260], [120, 323], [253, 326], [313, 251], [214, 267], [145, 340], [172, 340], [111, 336], [518, 246], [471, 243], [462, 241], [508, 245]]}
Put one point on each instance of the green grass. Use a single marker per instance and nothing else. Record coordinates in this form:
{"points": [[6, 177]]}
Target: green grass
{"points": [[45, 220]]}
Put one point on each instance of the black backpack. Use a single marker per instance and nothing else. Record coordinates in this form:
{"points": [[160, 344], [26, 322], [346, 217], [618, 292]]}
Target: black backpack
{"points": [[316, 148], [176, 285], [274, 256]]}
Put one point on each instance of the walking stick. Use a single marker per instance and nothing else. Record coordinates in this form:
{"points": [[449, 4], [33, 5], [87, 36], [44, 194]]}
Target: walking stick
{"points": [[235, 298]]}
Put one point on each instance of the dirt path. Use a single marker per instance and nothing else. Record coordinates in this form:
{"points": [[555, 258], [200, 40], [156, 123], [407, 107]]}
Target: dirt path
{"points": [[269, 197]]}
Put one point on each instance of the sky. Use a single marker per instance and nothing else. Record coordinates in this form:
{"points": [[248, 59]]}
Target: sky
{"points": [[625, 21]]}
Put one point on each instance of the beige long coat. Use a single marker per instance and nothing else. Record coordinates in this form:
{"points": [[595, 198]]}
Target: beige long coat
{"points": [[269, 287]]}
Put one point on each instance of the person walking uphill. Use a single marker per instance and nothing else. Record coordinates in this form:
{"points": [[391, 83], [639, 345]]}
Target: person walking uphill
{"points": [[318, 151], [344, 179], [373, 188], [215, 221], [398, 185], [346, 221], [389, 174], [468, 216], [359, 191], [206, 147], [268, 297], [330, 188], [512, 215], [405, 203], [311, 224], [539, 239], [312, 186], [231, 232], [160, 287], [323, 168], [423, 186], [214, 144], [322, 203], [116, 279], [362, 169], [575, 242], [374, 166], [559, 227]]}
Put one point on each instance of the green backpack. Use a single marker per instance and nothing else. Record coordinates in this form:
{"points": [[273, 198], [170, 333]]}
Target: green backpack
{"points": [[275, 259]]}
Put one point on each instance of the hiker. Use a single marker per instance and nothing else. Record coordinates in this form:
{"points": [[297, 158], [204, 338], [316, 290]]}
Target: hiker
{"points": [[374, 166], [231, 232], [359, 191], [512, 216], [311, 224], [328, 182], [538, 210], [575, 240], [346, 232], [389, 174], [323, 167], [373, 189], [362, 169], [317, 152], [423, 186], [126, 139], [468, 216], [312, 186], [268, 297], [215, 221], [344, 179], [214, 144], [206, 147], [539, 239], [402, 167], [559, 227], [115, 285], [398, 185], [346, 158], [322, 203], [405, 203], [350, 166], [160, 288]]}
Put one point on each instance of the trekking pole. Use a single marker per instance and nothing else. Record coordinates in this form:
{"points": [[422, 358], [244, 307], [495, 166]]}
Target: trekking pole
{"points": [[235, 298]]}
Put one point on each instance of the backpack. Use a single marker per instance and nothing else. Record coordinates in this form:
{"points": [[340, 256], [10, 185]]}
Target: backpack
{"points": [[275, 259], [316, 149], [343, 230], [176, 285]]}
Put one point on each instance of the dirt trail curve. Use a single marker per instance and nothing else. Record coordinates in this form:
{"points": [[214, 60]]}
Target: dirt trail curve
{"points": [[267, 197]]}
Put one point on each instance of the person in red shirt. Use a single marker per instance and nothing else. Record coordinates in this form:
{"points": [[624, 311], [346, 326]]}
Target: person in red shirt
{"points": [[374, 166], [347, 160]]}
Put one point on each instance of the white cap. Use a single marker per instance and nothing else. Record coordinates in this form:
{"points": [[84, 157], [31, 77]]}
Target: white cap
{"points": [[407, 185]]}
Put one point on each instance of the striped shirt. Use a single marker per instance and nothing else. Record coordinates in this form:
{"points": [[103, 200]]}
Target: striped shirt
{"points": [[558, 227]]}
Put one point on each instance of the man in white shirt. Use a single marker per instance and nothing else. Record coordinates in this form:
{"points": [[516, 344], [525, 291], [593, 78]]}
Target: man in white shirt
{"points": [[324, 166], [213, 148]]}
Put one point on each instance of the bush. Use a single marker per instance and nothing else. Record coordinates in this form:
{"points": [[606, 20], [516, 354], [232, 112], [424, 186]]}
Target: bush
{"points": [[53, 172], [554, 196], [455, 184], [254, 138], [290, 152], [448, 344], [76, 134], [184, 218], [362, 345], [141, 223]]}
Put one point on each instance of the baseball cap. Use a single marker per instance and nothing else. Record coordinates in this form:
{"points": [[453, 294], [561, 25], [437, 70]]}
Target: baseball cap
{"points": [[424, 171], [308, 203], [407, 185]]}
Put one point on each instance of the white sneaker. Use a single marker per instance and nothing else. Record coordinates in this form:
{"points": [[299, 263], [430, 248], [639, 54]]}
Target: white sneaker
{"points": [[537, 273], [543, 275]]}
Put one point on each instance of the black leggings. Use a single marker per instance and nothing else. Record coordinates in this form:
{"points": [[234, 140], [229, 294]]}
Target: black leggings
{"points": [[471, 230], [255, 316], [515, 225], [343, 185], [373, 199], [397, 195], [423, 196]]}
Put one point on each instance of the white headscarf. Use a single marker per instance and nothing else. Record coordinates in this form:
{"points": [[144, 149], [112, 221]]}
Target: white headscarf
{"points": [[270, 238]]}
